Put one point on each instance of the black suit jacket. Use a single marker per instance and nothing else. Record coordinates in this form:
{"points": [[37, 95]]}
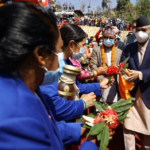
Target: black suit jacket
{"points": [[120, 45], [131, 51]]}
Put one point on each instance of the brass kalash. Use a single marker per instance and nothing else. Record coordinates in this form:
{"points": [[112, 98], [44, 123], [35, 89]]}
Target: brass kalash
{"points": [[66, 85]]}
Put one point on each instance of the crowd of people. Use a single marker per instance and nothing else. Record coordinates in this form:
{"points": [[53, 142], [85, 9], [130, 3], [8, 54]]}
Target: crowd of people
{"points": [[97, 22], [39, 63]]}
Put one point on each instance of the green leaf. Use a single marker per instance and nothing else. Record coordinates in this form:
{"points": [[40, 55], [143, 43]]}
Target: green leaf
{"points": [[105, 105], [118, 103], [123, 70], [126, 66], [99, 136], [122, 118], [86, 126], [98, 106], [120, 114], [102, 105], [122, 103], [123, 108], [131, 99], [104, 138], [97, 128], [93, 114], [110, 78], [125, 61]]}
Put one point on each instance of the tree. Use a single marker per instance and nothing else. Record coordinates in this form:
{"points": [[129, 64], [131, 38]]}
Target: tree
{"points": [[143, 7], [98, 9], [104, 4], [121, 4]]}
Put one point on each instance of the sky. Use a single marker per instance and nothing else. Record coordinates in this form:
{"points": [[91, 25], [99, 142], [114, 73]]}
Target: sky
{"points": [[94, 3]]}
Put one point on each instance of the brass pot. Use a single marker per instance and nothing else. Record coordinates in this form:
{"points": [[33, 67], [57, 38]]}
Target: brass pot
{"points": [[66, 83]]}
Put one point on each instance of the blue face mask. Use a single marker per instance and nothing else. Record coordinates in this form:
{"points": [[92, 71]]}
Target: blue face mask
{"points": [[109, 42], [87, 42], [118, 37], [52, 76], [94, 43], [100, 44], [78, 55]]}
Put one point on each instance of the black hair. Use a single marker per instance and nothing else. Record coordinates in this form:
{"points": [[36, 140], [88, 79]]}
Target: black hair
{"points": [[72, 32], [108, 27], [100, 39], [23, 27], [134, 21]]}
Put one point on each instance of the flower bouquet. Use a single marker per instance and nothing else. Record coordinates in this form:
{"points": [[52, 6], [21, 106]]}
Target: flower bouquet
{"points": [[107, 118], [92, 45], [113, 70]]}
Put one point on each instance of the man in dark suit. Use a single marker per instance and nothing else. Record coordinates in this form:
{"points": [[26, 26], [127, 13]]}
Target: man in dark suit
{"points": [[131, 38], [119, 44], [139, 65]]}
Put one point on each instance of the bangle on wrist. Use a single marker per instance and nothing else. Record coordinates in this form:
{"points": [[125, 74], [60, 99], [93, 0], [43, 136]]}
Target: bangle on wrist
{"points": [[92, 74], [95, 73], [84, 103]]}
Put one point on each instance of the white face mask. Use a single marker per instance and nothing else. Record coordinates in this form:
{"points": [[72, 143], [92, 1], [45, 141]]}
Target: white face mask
{"points": [[141, 36]]}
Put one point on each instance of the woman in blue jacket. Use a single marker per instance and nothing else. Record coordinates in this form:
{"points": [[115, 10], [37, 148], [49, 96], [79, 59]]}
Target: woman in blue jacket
{"points": [[30, 51], [74, 38]]}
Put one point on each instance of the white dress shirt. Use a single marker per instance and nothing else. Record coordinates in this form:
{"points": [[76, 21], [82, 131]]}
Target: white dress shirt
{"points": [[110, 94]]}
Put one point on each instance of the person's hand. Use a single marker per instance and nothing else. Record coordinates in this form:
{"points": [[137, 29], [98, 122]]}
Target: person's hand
{"points": [[102, 70], [133, 75], [104, 83], [89, 98], [84, 132], [89, 55], [91, 138]]}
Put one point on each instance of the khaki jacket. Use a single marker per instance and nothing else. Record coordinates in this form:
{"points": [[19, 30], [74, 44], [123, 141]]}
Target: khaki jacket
{"points": [[96, 62], [96, 59]]}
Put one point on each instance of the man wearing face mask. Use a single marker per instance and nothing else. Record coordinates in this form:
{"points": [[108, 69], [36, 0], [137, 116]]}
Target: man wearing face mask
{"points": [[131, 38], [97, 60], [119, 44], [139, 65]]}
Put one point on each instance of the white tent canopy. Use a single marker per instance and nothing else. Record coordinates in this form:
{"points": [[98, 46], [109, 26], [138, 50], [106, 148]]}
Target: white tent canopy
{"points": [[67, 13]]}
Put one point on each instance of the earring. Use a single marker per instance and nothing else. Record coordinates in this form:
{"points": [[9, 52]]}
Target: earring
{"points": [[43, 64]]}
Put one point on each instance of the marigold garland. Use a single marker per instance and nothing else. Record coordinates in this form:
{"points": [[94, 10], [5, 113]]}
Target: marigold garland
{"points": [[112, 56]]}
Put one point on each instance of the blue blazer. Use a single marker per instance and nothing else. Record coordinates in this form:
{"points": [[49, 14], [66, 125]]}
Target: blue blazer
{"points": [[131, 51], [24, 121], [63, 109]]}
